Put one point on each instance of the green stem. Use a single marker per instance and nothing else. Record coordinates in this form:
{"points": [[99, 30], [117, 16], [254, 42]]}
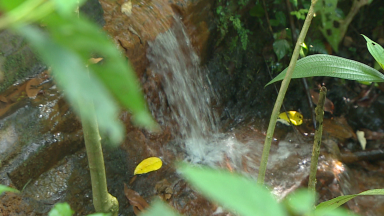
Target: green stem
{"points": [[281, 95], [102, 200], [316, 144]]}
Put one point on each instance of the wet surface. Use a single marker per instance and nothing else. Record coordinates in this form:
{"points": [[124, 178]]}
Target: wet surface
{"points": [[41, 144]]}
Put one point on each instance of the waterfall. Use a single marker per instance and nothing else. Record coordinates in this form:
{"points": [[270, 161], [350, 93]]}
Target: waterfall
{"points": [[189, 97]]}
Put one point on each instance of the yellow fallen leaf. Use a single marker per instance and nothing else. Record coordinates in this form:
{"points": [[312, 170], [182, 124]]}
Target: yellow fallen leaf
{"points": [[295, 117], [148, 165]]}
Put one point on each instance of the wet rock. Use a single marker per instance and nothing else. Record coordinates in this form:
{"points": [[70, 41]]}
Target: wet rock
{"points": [[147, 19], [13, 204], [17, 60]]}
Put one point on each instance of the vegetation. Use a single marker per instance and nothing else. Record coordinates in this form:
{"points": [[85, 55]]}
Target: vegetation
{"points": [[66, 44], [83, 81]]}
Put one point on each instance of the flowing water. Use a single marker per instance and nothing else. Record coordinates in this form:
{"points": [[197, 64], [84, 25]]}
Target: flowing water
{"points": [[197, 130], [189, 97], [196, 126]]}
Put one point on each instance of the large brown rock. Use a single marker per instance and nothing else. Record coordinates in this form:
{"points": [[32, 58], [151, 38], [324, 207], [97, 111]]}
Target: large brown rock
{"points": [[133, 23]]}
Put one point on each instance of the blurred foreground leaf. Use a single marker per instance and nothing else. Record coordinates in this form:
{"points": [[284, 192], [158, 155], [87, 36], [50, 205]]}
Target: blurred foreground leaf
{"points": [[61, 209], [232, 191], [64, 209], [332, 66], [67, 48], [67, 7], [338, 201], [4, 188], [85, 38], [79, 86], [159, 208]]}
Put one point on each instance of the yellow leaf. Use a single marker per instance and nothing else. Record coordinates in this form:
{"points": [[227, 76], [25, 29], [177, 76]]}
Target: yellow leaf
{"points": [[295, 117], [148, 165]]}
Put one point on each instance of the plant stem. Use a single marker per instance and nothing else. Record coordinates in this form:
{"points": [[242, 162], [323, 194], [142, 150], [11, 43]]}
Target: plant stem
{"points": [[102, 200], [281, 95], [316, 144]]}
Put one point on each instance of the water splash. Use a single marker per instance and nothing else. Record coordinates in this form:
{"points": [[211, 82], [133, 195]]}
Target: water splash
{"points": [[187, 92], [189, 98]]}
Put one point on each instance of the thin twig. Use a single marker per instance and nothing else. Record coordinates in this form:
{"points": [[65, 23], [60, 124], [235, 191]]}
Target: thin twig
{"points": [[267, 16], [280, 97], [317, 142]]}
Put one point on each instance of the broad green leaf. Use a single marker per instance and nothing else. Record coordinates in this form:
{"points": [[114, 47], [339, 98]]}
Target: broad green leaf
{"points": [[281, 48], [338, 201], [99, 214], [61, 209], [300, 202], [329, 17], [232, 191], [332, 66], [79, 86], [4, 188], [85, 38], [333, 212], [9, 5], [376, 51], [159, 208], [67, 7]]}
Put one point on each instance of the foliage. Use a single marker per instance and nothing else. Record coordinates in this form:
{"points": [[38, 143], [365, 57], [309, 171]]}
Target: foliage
{"points": [[332, 66], [328, 18], [7, 189], [228, 17], [243, 196], [281, 48], [66, 44], [300, 14], [376, 51], [338, 201], [63, 209], [157, 207]]}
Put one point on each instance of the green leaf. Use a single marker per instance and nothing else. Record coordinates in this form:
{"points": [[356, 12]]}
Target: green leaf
{"points": [[99, 214], [61, 209], [257, 10], [274, 22], [280, 16], [294, 2], [4, 188], [281, 48], [317, 46], [79, 86], [10, 5], [338, 201], [332, 66], [67, 7], [376, 51], [232, 191], [333, 212], [300, 202], [159, 208], [85, 38]]}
